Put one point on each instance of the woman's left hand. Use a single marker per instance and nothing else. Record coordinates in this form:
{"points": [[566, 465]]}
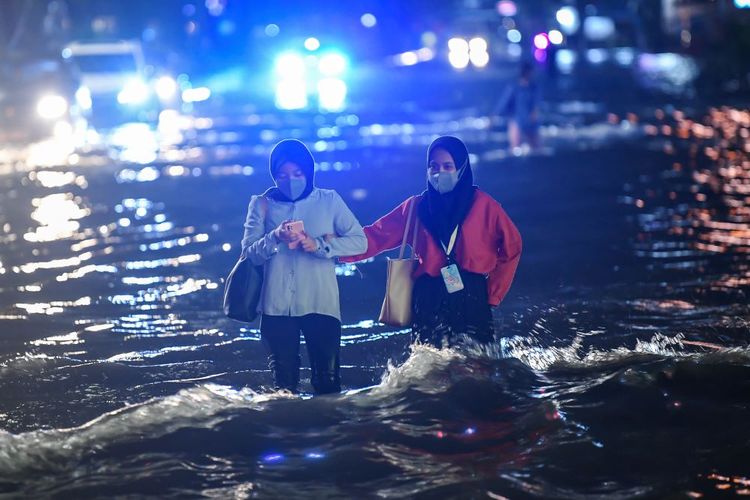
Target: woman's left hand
{"points": [[309, 245]]}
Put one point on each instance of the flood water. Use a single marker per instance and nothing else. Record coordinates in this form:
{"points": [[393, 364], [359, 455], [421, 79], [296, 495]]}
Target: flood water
{"points": [[622, 367]]}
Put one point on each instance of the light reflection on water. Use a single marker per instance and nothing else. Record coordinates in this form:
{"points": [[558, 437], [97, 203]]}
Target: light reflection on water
{"points": [[54, 307], [58, 215], [32, 267], [85, 270], [167, 262], [161, 295], [703, 222], [69, 339], [149, 324], [54, 179]]}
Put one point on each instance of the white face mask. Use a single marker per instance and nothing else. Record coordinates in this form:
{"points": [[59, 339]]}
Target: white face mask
{"points": [[443, 182], [293, 187]]}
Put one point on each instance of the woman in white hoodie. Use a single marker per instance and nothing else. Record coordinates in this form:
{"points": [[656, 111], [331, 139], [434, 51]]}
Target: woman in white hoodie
{"points": [[300, 293]]}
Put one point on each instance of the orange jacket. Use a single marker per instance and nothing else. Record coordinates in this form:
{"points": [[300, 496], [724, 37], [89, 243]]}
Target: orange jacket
{"points": [[488, 243]]}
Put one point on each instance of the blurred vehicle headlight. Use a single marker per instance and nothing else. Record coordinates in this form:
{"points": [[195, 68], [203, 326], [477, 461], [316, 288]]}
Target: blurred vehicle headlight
{"points": [[568, 19], [331, 94], [291, 94], [134, 92], [166, 88], [290, 66], [83, 97], [63, 130], [479, 59], [458, 45], [478, 52], [332, 64], [555, 37], [478, 44], [458, 53], [197, 94], [51, 107]]}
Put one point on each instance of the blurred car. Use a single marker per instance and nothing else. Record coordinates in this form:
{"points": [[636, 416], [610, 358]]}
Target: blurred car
{"points": [[667, 73], [117, 84], [38, 100]]}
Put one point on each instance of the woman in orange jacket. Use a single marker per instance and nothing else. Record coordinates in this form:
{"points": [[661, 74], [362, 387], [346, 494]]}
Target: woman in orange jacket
{"points": [[467, 246]]}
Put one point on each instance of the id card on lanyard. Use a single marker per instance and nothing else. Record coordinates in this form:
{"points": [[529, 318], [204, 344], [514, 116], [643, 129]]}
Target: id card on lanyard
{"points": [[451, 276]]}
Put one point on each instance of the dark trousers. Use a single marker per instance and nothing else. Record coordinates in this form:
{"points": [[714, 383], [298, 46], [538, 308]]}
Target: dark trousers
{"points": [[322, 334], [444, 319]]}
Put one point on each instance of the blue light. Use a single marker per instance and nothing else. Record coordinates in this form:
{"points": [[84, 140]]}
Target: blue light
{"points": [[273, 458], [625, 56], [315, 455], [596, 56], [514, 36], [568, 19], [566, 60], [368, 20], [599, 28], [227, 27], [742, 4], [470, 431], [215, 7]]}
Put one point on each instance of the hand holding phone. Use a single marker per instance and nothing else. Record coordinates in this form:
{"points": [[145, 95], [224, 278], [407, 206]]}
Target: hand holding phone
{"points": [[287, 232], [296, 231], [295, 227]]}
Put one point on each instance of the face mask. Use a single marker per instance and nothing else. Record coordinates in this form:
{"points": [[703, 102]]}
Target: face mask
{"points": [[293, 188], [443, 182]]}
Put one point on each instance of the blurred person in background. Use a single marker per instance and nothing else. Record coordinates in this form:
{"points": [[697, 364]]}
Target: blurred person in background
{"points": [[520, 104]]}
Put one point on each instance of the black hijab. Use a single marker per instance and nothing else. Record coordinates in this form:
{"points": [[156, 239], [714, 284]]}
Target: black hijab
{"points": [[291, 150], [441, 213]]}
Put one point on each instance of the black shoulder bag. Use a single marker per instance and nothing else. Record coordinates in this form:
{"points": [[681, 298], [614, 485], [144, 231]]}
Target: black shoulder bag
{"points": [[243, 285]]}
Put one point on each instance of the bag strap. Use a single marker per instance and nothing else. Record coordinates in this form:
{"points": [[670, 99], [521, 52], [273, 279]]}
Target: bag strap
{"points": [[264, 205], [263, 210], [406, 230], [414, 238]]}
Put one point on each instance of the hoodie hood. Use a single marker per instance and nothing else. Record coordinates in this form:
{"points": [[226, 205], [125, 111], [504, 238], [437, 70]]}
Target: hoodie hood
{"points": [[291, 150]]}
